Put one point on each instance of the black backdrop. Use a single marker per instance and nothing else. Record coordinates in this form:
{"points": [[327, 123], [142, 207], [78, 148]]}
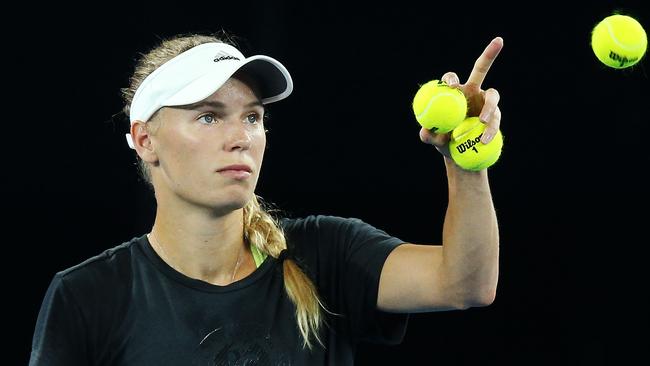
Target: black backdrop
{"points": [[570, 188]]}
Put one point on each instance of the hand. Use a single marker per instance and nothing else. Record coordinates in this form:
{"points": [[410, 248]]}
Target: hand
{"points": [[482, 103]]}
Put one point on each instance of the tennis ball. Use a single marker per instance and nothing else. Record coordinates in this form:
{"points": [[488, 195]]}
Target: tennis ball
{"points": [[619, 41], [466, 147], [439, 107]]}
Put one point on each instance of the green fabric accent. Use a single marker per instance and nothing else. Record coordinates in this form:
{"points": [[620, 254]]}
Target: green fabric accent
{"points": [[258, 256]]}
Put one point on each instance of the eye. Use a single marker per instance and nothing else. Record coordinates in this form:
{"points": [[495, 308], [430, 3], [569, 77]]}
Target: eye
{"points": [[252, 118], [207, 119]]}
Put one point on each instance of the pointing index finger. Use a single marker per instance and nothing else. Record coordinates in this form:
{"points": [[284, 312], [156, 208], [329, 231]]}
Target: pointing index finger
{"points": [[483, 63]]}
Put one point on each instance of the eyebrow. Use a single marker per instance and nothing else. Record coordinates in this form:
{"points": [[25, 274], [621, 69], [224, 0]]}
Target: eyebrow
{"points": [[217, 105]]}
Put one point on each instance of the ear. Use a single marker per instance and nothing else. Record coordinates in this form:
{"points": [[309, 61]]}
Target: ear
{"points": [[142, 142]]}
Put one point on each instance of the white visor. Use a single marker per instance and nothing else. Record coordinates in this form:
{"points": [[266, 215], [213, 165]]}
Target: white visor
{"points": [[200, 71]]}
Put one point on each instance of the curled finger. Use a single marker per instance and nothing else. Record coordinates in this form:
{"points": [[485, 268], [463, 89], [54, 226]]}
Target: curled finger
{"points": [[490, 101], [492, 126], [451, 79]]}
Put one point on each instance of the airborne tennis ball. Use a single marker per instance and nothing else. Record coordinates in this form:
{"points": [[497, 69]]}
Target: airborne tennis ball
{"points": [[466, 147], [619, 41], [439, 107]]}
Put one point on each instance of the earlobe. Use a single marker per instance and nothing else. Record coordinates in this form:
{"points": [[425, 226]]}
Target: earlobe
{"points": [[142, 142]]}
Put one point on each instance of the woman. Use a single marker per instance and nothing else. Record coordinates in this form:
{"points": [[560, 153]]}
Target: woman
{"points": [[218, 280]]}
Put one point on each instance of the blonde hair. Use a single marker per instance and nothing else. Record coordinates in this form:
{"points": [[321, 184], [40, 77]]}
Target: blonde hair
{"points": [[260, 228]]}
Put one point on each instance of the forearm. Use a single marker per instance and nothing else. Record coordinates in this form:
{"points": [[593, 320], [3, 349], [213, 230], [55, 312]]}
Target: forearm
{"points": [[470, 237]]}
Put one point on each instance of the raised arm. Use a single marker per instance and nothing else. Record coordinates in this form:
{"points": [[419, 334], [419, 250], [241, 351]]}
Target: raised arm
{"points": [[463, 271]]}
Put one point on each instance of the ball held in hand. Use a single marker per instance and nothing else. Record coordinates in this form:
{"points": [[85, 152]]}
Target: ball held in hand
{"points": [[439, 107], [466, 147], [619, 41]]}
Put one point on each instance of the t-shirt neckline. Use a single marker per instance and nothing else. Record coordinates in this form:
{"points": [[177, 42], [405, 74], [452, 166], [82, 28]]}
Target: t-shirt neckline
{"points": [[167, 270]]}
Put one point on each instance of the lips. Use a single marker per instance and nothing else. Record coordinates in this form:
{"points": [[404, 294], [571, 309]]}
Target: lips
{"points": [[237, 172], [240, 167]]}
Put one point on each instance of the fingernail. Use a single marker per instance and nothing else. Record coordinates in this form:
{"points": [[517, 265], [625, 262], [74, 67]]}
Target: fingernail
{"points": [[484, 117], [487, 136]]}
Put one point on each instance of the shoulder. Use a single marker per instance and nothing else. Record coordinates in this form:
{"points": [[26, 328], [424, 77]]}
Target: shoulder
{"points": [[104, 273], [335, 233], [329, 227], [319, 222]]}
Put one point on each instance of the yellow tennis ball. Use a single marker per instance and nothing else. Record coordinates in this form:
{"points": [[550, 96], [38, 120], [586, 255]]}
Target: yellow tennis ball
{"points": [[439, 107], [466, 147], [619, 41]]}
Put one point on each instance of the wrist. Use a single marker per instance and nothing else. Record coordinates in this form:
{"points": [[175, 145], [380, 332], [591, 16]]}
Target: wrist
{"points": [[457, 175]]}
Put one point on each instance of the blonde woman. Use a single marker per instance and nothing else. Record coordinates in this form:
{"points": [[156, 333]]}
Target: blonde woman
{"points": [[220, 281]]}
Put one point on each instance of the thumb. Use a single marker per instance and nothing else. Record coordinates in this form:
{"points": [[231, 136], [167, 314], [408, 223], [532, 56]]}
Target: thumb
{"points": [[426, 136], [439, 141], [432, 138]]}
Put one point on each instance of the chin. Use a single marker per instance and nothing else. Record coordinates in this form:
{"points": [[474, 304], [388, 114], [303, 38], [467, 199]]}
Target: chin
{"points": [[231, 203]]}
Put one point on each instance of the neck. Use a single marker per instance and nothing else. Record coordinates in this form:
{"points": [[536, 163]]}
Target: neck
{"points": [[206, 247]]}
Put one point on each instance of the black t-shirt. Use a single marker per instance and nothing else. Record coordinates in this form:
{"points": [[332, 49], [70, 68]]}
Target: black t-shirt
{"points": [[128, 307]]}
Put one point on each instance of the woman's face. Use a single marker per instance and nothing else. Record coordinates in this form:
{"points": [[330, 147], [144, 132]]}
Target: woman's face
{"points": [[194, 143]]}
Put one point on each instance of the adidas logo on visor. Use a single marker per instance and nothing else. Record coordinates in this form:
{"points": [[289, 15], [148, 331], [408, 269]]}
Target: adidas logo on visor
{"points": [[221, 55]]}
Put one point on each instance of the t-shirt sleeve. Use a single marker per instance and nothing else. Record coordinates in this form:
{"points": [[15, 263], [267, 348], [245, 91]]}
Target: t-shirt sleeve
{"points": [[366, 251], [59, 336], [350, 256]]}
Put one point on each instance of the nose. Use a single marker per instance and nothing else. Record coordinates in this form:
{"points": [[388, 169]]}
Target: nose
{"points": [[238, 137]]}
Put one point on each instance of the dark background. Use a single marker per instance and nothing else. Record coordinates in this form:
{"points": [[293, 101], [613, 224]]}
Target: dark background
{"points": [[570, 189]]}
